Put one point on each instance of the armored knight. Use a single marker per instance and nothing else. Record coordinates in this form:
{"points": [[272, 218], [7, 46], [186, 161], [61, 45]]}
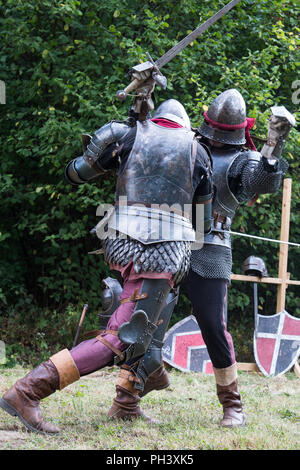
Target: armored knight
{"points": [[240, 173], [146, 237]]}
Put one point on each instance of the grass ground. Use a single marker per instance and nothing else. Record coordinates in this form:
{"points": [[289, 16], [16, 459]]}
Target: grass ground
{"points": [[188, 411]]}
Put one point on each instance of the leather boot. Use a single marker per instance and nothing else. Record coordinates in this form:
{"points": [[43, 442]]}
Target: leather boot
{"points": [[126, 404], [23, 398], [156, 381], [229, 397]]}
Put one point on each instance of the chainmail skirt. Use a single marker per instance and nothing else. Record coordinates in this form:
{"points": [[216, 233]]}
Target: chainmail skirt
{"points": [[212, 262]]}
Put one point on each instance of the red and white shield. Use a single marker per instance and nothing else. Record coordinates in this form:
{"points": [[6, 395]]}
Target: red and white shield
{"points": [[185, 349], [276, 342]]}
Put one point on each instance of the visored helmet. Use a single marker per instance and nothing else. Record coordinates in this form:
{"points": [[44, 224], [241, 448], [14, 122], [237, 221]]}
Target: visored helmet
{"points": [[227, 110], [174, 111], [254, 266]]}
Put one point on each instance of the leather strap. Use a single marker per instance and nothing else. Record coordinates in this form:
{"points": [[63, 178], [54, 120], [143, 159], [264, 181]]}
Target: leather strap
{"points": [[88, 334], [129, 375], [218, 218], [134, 297], [100, 332], [111, 347], [253, 200], [127, 379], [111, 332]]}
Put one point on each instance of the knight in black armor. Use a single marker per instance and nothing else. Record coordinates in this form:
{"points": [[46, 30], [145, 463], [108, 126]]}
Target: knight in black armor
{"points": [[146, 237], [239, 174]]}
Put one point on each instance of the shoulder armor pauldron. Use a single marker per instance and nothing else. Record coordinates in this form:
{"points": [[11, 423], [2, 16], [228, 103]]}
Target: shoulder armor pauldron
{"points": [[119, 129], [103, 137]]}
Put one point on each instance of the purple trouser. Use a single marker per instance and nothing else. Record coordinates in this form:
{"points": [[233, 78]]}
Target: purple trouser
{"points": [[92, 355]]}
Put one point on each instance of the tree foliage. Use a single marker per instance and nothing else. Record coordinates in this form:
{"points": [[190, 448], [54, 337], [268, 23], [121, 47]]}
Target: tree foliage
{"points": [[62, 63]]}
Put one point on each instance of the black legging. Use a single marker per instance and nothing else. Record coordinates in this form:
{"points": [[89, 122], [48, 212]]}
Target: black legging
{"points": [[209, 300]]}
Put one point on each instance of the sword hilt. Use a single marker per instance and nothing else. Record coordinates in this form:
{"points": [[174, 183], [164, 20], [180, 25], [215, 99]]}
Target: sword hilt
{"points": [[122, 94]]}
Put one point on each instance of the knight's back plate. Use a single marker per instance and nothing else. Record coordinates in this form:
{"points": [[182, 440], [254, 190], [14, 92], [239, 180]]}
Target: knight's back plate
{"points": [[159, 168]]}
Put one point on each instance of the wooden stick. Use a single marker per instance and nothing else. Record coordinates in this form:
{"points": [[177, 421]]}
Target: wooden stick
{"points": [[247, 366], [293, 283], [85, 307], [284, 236], [267, 280], [297, 369]]}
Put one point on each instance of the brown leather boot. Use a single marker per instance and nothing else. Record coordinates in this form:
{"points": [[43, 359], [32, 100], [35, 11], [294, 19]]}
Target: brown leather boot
{"points": [[156, 381], [126, 404], [229, 397], [23, 398]]}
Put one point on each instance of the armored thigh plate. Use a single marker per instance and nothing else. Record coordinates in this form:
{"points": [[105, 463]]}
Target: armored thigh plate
{"points": [[152, 359], [138, 332]]}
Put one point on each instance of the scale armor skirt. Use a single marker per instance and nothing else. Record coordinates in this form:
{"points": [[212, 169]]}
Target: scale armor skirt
{"points": [[168, 256]]}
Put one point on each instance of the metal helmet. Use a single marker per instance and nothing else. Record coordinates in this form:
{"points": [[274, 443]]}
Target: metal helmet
{"points": [[228, 108], [174, 111], [254, 266]]}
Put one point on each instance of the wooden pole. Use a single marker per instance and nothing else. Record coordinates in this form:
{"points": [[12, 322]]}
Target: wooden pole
{"points": [[297, 369], [284, 236], [262, 280]]}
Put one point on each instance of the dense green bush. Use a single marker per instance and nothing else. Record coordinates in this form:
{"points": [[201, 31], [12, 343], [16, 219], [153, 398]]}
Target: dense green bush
{"points": [[62, 63]]}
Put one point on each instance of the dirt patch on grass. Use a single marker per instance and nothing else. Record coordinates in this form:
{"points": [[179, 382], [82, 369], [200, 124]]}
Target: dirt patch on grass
{"points": [[11, 436]]}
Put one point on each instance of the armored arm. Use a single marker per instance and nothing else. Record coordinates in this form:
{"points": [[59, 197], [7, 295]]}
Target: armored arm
{"points": [[260, 173], [91, 165], [262, 176], [280, 124]]}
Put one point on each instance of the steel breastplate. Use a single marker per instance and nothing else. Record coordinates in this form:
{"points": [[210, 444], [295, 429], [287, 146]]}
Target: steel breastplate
{"points": [[159, 168]]}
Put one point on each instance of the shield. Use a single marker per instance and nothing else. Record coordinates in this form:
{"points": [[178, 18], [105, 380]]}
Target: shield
{"points": [[184, 347], [276, 342]]}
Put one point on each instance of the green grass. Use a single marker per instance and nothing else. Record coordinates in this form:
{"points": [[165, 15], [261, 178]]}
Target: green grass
{"points": [[188, 412]]}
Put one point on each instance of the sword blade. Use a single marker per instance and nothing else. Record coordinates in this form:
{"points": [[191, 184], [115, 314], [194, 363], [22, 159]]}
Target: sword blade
{"points": [[163, 60], [256, 237]]}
